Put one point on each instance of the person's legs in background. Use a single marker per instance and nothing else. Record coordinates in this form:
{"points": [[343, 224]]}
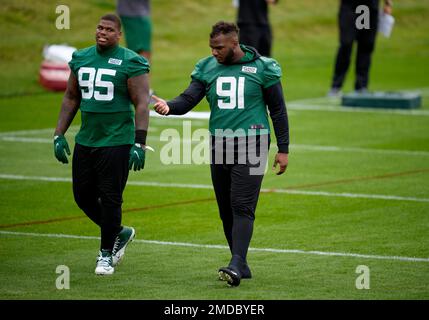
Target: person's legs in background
{"points": [[265, 41], [247, 35], [366, 44], [258, 37], [347, 28], [138, 36]]}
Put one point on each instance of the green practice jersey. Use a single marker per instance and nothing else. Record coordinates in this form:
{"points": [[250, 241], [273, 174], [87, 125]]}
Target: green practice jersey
{"points": [[235, 92], [107, 116]]}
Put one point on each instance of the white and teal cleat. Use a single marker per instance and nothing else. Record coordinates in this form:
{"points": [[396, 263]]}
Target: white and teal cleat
{"points": [[104, 264], [124, 237]]}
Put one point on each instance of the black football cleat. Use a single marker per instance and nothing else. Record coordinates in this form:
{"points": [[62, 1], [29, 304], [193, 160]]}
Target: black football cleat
{"points": [[236, 270], [230, 275], [245, 272]]}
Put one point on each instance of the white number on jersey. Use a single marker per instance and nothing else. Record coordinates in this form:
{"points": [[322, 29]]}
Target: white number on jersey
{"points": [[89, 83], [236, 97]]}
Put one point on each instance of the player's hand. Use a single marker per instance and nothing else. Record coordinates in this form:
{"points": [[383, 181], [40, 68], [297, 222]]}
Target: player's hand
{"points": [[60, 148], [282, 159], [137, 157], [160, 105]]}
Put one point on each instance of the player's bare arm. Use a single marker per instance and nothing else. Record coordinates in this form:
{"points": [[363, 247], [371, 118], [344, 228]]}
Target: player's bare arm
{"points": [[138, 89], [69, 106]]}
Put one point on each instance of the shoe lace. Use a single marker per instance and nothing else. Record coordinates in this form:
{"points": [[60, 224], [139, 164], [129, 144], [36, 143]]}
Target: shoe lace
{"points": [[116, 245], [104, 261]]}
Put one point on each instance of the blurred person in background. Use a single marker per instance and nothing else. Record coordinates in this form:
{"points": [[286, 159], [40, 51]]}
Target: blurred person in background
{"points": [[254, 25], [137, 23], [365, 38]]}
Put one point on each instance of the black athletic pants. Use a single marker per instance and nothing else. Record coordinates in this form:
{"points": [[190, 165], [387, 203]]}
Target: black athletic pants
{"points": [[237, 191], [257, 36], [365, 39], [99, 178]]}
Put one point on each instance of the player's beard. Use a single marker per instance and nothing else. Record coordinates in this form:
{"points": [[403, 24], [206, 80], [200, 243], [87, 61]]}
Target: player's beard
{"points": [[229, 57]]}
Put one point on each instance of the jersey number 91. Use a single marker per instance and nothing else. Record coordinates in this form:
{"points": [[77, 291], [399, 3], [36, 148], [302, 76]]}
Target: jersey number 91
{"points": [[235, 95]]}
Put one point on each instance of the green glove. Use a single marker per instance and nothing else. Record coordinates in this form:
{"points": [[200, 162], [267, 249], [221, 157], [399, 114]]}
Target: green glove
{"points": [[137, 157], [60, 148]]}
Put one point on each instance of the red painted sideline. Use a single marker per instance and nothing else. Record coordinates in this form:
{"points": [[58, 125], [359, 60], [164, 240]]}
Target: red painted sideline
{"points": [[166, 205], [383, 176]]}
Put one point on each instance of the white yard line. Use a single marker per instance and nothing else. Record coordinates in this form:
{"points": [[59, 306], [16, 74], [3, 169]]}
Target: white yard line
{"points": [[24, 139], [309, 104], [292, 146], [34, 178], [189, 115], [347, 195], [208, 186], [26, 132], [49, 131], [358, 150], [208, 246]]}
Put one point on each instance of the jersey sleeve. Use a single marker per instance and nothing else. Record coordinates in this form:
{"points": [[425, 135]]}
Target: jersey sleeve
{"points": [[73, 62], [198, 73], [136, 66], [272, 72]]}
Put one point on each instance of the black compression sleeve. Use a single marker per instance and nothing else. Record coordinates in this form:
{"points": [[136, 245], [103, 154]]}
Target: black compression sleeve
{"points": [[188, 99], [274, 99]]}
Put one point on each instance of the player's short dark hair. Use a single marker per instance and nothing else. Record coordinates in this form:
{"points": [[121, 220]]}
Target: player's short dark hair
{"points": [[223, 27], [114, 18]]}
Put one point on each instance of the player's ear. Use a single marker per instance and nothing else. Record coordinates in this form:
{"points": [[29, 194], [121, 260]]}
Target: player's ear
{"points": [[236, 38], [235, 42]]}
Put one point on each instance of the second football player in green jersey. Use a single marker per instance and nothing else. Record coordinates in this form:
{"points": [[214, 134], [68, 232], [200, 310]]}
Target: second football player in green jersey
{"points": [[239, 85]]}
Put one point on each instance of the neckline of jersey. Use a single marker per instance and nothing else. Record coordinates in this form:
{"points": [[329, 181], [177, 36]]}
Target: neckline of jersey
{"points": [[107, 52]]}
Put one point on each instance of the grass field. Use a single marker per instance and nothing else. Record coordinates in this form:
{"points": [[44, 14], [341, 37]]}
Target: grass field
{"points": [[356, 191]]}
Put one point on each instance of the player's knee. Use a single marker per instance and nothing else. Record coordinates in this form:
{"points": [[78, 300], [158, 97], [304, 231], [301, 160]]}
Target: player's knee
{"points": [[243, 211], [111, 200], [226, 217], [83, 200]]}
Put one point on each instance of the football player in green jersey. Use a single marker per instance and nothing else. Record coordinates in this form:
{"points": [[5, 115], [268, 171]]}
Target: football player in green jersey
{"points": [[104, 81], [239, 84]]}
